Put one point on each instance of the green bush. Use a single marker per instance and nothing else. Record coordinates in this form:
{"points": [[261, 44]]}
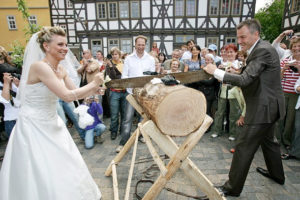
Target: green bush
{"points": [[17, 53]]}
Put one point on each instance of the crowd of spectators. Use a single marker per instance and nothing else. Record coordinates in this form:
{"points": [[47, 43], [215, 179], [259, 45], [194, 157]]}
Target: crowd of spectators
{"points": [[225, 103]]}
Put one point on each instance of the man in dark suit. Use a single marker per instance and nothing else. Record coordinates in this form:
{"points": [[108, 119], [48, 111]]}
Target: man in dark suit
{"points": [[260, 83]]}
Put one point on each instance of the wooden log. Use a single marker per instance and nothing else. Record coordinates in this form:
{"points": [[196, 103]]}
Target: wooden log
{"points": [[176, 110], [115, 181]]}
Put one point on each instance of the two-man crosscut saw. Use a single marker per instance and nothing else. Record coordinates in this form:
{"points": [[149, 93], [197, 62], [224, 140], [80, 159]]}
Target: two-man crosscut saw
{"points": [[183, 77]]}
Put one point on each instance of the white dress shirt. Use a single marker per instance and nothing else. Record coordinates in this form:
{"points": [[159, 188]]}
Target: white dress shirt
{"points": [[219, 74], [10, 112], [187, 55], [283, 53], [134, 66]]}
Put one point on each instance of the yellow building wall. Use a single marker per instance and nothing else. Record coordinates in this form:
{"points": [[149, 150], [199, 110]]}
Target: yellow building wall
{"points": [[39, 8]]}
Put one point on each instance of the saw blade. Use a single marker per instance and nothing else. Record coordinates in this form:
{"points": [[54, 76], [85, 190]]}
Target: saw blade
{"points": [[183, 77]]}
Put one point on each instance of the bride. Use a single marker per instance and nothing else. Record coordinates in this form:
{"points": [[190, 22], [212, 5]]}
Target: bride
{"points": [[41, 161]]}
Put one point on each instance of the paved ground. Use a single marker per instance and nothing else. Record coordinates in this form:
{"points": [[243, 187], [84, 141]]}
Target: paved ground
{"points": [[212, 157]]}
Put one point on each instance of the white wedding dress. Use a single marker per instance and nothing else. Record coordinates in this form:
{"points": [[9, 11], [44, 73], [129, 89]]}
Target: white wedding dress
{"points": [[41, 160]]}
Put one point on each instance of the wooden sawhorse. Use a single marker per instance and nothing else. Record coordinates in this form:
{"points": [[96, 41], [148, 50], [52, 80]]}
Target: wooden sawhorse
{"points": [[178, 157]]}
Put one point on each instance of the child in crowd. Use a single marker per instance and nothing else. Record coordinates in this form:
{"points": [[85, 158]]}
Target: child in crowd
{"points": [[97, 128], [237, 93]]}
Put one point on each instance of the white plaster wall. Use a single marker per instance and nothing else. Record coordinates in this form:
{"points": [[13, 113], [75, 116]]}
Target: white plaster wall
{"points": [[91, 11], [192, 22], [202, 8], [61, 12], [214, 21], [91, 24], [61, 3], [236, 21], [145, 5], [104, 24], [79, 26], [201, 42], [245, 9], [113, 25]]}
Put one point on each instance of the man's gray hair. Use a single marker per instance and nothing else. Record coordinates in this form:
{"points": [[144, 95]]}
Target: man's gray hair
{"points": [[252, 24]]}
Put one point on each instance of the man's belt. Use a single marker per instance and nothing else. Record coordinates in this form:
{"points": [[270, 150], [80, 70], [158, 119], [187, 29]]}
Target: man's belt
{"points": [[183, 77]]}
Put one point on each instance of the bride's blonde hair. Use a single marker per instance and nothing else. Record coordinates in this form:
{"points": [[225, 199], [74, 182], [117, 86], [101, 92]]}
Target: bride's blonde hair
{"points": [[45, 35]]}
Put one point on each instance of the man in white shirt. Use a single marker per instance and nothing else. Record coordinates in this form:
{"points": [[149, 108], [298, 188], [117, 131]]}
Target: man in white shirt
{"points": [[261, 85], [134, 65], [283, 53], [187, 55]]}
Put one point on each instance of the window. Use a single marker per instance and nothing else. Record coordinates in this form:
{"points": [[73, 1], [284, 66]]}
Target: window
{"points": [[113, 43], [96, 45], [135, 9], [230, 40], [64, 26], [126, 45], [124, 11], [190, 7], [179, 8], [101, 10], [113, 10], [69, 4], [296, 6], [236, 7], [183, 38], [212, 40], [213, 7], [11, 20], [32, 19], [225, 5]]}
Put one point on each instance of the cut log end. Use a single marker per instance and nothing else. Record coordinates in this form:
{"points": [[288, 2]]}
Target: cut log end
{"points": [[181, 112], [176, 110]]}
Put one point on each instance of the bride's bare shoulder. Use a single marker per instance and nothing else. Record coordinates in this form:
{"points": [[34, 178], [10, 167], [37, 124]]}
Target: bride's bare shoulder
{"points": [[40, 65]]}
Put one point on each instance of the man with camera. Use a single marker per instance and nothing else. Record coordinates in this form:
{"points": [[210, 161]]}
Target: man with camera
{"points": [[8, 99], [9, 82], [88, 69]]}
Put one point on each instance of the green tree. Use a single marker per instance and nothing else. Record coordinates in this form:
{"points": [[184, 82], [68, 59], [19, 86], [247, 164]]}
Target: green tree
{"points": [[18, 49], [17, 53], [29, 28], [270, 18]]}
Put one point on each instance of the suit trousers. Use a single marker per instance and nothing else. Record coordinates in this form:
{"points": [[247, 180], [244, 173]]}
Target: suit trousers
{"points": [[249, 139]]}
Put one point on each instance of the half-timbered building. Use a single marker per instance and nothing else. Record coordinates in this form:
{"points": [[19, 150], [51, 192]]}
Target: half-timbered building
{"points": [[103, 24], [291, 16]]}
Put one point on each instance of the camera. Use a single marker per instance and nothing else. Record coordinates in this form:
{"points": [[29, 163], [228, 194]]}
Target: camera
{"points": [[289, 36], [18, 76], [294, 69]]}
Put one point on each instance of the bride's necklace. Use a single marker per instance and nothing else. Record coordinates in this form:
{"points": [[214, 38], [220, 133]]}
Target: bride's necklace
{"points": [[52, 67]]}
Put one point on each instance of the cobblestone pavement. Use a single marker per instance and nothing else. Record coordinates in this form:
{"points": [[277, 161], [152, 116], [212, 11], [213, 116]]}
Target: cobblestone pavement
{"points": [[212, 157]]}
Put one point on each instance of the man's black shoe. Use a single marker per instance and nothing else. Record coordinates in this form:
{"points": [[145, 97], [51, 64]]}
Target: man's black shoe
{"points": [[113, 135], [225, 192], [287, 156], [266, 174]]}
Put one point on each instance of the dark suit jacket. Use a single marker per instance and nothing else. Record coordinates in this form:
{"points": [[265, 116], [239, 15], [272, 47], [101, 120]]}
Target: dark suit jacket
{"points": [[261, 85]]}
